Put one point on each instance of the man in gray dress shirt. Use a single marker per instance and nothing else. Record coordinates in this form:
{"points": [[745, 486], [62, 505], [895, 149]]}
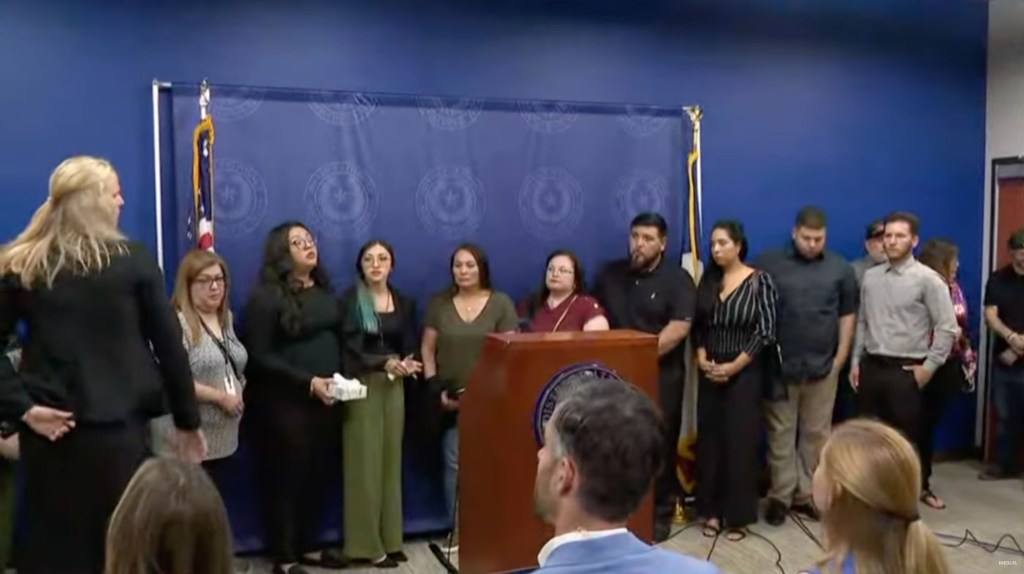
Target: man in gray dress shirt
{"points": [[905, 331]]}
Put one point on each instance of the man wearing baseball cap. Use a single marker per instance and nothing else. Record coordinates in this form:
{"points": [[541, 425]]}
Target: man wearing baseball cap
{"points": [[874, 244], [1004, 315]]}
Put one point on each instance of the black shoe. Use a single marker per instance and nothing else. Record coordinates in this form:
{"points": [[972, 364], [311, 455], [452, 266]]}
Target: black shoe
{"points": [[808, 510], [329, 560], [776, 512], [661, 531], [386, 562], [997, 473], [398, 556]]}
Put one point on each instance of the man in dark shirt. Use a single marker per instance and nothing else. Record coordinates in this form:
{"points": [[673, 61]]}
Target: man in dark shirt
{"points": [[649, 294], [817, 315], [1004, 314]]}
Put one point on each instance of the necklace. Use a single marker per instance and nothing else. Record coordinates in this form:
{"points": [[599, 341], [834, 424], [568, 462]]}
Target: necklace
{"points": [[467, 304]]}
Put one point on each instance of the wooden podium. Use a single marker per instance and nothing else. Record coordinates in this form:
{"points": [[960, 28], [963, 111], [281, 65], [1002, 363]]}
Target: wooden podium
{"points": [[513, 389]]}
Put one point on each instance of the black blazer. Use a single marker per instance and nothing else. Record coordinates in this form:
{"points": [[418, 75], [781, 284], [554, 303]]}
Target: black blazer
{"points": [[357, 357], [105, 346]]}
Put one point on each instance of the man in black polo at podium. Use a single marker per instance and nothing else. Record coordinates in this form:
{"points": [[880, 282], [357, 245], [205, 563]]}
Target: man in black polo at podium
{"points": [[647, 293]]}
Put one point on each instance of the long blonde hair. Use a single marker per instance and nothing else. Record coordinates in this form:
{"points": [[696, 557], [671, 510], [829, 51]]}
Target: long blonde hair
{"points": [[874, 478], [193, 263], [171, 520], [75, 229]]}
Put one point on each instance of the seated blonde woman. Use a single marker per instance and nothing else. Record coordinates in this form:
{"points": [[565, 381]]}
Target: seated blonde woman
{"points": [[170, 520], [867, 486]]}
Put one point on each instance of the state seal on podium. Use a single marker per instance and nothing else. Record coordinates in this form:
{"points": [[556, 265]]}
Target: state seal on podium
{"points": [[562, 383]]}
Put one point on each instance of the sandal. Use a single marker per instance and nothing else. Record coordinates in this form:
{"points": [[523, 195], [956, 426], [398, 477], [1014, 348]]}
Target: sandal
{"points": [[736, 534], [928, 497], [711, 529]]}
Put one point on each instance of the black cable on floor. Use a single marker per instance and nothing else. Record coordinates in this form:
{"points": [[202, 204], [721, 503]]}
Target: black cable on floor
{"points": [[805, 529], [714, 542], [967, 538], [778, 553]]}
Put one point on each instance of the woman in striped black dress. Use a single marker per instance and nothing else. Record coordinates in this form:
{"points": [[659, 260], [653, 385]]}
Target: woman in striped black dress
{"points": [[734, 323]]}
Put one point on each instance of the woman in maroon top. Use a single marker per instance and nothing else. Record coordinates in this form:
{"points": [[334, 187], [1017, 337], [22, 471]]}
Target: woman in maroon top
{"points": [[560, 304], [956, 374]]}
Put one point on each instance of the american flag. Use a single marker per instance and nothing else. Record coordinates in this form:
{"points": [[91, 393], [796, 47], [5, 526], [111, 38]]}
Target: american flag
{"points": [[201, 226], [686, 451]]}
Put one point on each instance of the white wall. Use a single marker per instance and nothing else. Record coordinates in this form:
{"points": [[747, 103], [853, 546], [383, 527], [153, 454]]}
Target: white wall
{"points": [[1005, 114], [1004, 133]]}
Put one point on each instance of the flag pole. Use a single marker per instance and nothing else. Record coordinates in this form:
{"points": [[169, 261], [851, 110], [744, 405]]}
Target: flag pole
{"points": [[204, 99], [696, 114], [158, 194], [686, 448]]}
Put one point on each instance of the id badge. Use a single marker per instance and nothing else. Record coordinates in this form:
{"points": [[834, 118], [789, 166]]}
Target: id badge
{"points": [[229, 385]]}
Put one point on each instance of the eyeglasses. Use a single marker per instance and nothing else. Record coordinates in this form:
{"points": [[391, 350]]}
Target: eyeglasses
{"points": [[208, 282], [303, 242], [560, 271]]}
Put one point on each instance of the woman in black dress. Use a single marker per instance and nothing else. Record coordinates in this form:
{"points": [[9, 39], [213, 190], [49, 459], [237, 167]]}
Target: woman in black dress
{"points": [[292, 335], [103, 349], [734, 324]]}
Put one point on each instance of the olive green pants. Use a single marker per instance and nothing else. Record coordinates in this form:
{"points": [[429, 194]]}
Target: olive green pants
{"points": [[372, 459]]}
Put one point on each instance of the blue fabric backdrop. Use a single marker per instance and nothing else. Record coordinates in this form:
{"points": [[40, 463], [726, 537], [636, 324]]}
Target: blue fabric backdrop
{"points": [[520, 178]]}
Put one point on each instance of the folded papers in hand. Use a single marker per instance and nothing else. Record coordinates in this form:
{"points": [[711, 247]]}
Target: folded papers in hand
{"points": [[344, 389]]}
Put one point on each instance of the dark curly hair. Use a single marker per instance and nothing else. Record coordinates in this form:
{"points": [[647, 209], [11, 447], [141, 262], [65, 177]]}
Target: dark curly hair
{"points": [[277, 273]]}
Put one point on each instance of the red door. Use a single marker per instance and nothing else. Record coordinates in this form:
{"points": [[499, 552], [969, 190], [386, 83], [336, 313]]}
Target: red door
{"points": [[1009, 218]]}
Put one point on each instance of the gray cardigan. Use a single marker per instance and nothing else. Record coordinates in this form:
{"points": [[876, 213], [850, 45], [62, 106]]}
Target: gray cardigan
{"points": [[210, 368]]}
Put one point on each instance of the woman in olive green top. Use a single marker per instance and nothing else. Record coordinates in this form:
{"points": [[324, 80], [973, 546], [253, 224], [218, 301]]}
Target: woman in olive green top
{"points": [[456, 325]]}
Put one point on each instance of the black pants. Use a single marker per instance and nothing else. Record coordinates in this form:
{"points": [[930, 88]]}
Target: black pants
{"points": [[8, 482], [935, 396], [299, 450], [888, 392], [218, 470], [728, 435], [71, 489], [845, 406], [670, 398]]}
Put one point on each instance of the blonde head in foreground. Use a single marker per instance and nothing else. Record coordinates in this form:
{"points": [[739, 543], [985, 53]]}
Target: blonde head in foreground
{"points": [[170, 520], [74, 230], [867, 486]]}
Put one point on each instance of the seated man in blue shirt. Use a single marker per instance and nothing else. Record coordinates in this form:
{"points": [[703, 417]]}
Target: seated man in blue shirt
{"points": [[603, 448]]}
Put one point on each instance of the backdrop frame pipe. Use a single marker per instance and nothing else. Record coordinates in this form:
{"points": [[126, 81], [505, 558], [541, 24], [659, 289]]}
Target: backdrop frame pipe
{"points": [[158, 195]]}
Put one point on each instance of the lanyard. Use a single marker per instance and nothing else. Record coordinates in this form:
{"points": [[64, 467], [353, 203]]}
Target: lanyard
{"points": [[228, 360], [564, 313]]}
